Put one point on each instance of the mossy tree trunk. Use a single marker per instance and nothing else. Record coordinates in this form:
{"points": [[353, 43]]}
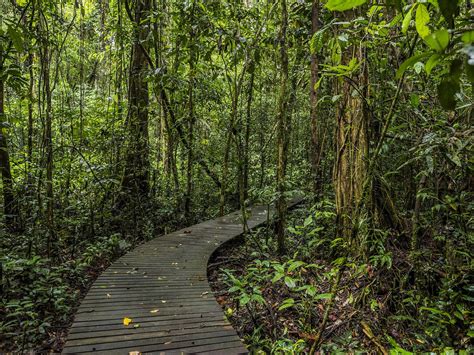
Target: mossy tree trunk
{"points": [[135, 182]]}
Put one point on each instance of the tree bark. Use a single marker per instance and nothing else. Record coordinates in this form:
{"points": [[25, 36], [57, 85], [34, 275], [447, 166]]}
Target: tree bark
{"points": [[247, 134], [10, 205], [315, 125], [282, 132], [135, 180], [48, 138], [191, 118], [351, 143]]}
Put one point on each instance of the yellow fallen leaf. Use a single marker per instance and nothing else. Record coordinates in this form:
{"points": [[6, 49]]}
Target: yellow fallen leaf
{"points": [[229, 312], [134, 353], [127, 321], [154, 310]]}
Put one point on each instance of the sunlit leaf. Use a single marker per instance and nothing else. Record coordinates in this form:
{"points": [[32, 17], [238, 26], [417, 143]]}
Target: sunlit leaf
{"points": [[468, 37], [438, 40], [342, 5], [407, 20], [422, 19]]}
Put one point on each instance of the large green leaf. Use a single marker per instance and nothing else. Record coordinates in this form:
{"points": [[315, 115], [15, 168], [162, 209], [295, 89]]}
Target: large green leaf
{"points": [[16, 38], [407, 20], [343, 5], [447, 90], [468, 37], [438, 40], [421, 21], [432, 62], [410, 62]]}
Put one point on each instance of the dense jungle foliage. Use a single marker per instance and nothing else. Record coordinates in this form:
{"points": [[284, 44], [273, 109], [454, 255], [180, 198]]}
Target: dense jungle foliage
{"points": [[122, 120]]}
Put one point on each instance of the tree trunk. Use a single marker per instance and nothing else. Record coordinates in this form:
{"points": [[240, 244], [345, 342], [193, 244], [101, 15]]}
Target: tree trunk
{"points": [[10, 205], [191, 119], [247, 135], [315, 129], [351, 143], [48, 140], [135, 180], [282, 132]]}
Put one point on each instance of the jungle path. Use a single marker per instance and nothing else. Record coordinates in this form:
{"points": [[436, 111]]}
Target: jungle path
{"points": [[162, 287]]}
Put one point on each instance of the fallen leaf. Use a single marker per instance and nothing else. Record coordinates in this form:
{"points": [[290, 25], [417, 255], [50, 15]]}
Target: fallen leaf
{"points": [[109, 295], [187, 232], [127, 321], [229, 312], [136, 325], [154, 310], [168, 342], [134, 353], [163, 301]]}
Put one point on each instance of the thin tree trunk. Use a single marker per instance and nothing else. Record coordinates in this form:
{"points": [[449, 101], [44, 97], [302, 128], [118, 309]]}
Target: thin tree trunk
{"points": [[247, 134], [48, 139], [315, 129], [283, 134], [10, 205], [191, 119]]}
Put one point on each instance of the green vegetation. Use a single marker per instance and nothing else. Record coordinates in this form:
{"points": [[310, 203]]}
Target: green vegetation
{"points": [[124, 119]]}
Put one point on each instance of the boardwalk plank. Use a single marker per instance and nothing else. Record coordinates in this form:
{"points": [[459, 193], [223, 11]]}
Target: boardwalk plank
{"points": [[170, 268]]}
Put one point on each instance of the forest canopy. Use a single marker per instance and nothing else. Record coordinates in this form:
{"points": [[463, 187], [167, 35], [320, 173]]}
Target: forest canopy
{"points": [[123, 120]]}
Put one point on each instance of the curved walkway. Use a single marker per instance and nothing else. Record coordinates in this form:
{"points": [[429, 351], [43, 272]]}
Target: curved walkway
{"points": [[162, 287]]}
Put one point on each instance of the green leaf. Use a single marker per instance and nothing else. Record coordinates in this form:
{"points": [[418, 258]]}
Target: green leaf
{"points": [[468, 37], [277, 277], [409, 63], [421, 21], [244, 300], [438, 40], [455, 70], [294, 265], [447, 90], [342, 5], [323, 296], [415, 100], [449, 9], [16, 38], [290, 282], [289, 302], [432, 62], [316, 42], [407, 20]]}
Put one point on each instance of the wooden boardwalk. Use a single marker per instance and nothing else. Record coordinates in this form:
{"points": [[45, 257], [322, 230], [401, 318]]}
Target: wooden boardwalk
{"points": [[162, 287]]}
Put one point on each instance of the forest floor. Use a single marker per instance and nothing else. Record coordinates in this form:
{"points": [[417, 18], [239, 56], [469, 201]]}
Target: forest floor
{"points": [[277, 304]]}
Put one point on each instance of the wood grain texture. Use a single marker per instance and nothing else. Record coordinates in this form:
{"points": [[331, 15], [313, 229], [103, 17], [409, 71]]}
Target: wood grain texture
{"points": [[162, 286]]}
